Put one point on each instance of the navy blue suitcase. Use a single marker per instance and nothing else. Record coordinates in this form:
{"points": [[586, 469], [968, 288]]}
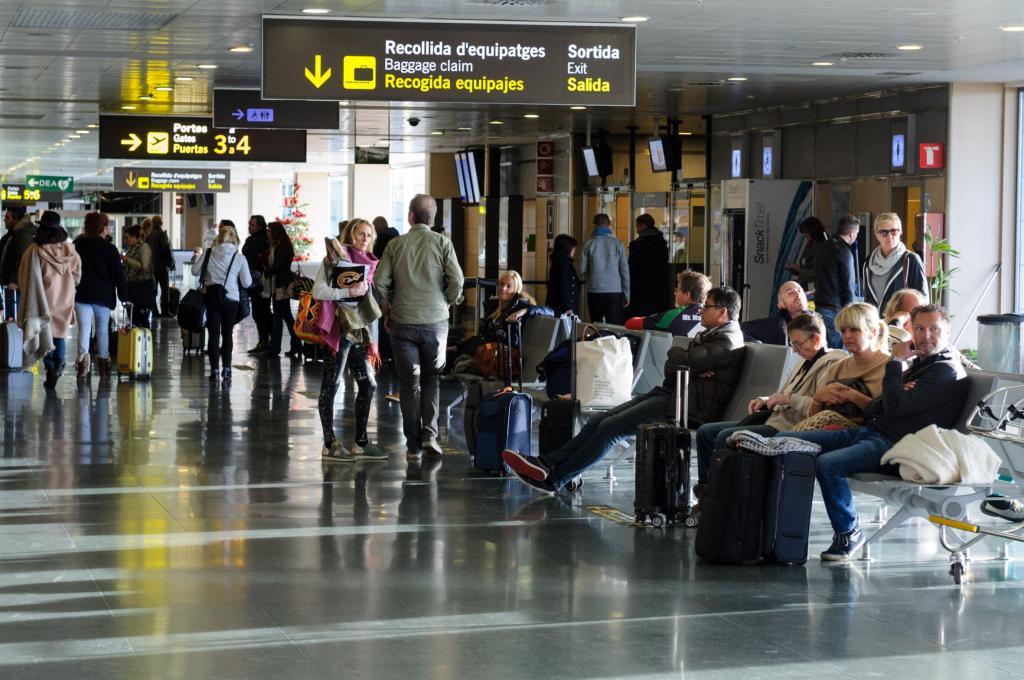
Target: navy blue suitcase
{"points": [[787, 508], [503, 420]]}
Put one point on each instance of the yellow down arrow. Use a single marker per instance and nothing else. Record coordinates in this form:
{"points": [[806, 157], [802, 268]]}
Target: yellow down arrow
{"points": [[130, 181], [133, 140], [318, 77]]}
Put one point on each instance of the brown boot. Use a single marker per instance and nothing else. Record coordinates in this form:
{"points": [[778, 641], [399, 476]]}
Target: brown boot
{"points": [[104, 365], [84, 366]]}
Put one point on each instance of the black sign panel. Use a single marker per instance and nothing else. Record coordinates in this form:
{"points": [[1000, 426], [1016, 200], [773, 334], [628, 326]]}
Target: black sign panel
{"points": [[246, 109], [19, 193], [180, 180], [185, 138], [449, 61]]}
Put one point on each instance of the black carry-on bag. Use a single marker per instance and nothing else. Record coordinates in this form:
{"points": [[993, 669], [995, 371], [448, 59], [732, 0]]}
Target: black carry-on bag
{"points": [[560, 418], [503, 419], [662, 490], [732, 508], [787, 511]]}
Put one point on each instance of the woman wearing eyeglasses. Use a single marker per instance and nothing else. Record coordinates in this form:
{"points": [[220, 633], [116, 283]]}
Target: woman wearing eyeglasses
{"points": [[891, 266]]}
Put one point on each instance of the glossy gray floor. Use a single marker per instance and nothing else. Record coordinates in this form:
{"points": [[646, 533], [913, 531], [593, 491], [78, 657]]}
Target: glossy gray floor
{"points": [[178, 529]]}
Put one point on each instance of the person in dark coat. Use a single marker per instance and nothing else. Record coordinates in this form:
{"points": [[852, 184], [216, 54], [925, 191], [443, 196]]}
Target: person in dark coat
{"points": [[96, 294], [772, 330], [256, 244], [279, 269], [649, 276], [162, 263], [814, 240], [563, 282], [384, 235], [835, 276]]}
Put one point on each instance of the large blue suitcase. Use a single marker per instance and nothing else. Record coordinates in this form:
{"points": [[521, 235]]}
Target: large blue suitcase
{"points": [[787, 508]]}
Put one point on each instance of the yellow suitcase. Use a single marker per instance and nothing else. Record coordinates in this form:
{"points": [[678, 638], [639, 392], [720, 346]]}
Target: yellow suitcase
{"points": [[134, 349]]}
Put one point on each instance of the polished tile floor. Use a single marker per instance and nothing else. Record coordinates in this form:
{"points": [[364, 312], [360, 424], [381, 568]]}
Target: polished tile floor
{"points": [[178, 529]]}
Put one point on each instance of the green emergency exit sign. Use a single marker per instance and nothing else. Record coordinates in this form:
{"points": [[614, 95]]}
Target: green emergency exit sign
{"points": [[48, 183]]}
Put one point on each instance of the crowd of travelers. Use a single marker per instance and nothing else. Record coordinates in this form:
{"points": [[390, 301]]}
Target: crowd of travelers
{"points": [[876, 361]]}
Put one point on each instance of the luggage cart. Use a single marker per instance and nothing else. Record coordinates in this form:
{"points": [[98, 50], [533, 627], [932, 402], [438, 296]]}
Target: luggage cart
{"points": [[998, 417]]}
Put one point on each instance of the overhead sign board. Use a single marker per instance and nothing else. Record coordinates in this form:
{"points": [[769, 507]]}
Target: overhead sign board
{"points": [[187, 138], [449, 61], [47, 183], [247, 109], [180, 180], [19, 193]]}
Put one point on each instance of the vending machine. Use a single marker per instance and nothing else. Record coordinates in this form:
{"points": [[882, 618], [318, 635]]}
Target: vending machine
{"points": [[754, 233]]}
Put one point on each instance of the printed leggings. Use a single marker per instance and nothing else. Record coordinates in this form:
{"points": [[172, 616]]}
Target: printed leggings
{"points": [[359, 365]]}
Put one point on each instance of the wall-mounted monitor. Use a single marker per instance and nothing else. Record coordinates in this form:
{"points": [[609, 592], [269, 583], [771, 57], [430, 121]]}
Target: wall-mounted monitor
{"points": [[473, 166], [590, 161], [659, 162], [460, 172]]}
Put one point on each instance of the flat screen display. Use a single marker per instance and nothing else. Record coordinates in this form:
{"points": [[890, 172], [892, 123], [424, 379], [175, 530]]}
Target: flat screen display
{"points": [[590, 161], [658, 161], [474, 180], [460, 170]]}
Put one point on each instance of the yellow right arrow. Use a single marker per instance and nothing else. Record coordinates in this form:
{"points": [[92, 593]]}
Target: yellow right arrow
{"points": [[131, 179], [317, 76], [133, 140]]}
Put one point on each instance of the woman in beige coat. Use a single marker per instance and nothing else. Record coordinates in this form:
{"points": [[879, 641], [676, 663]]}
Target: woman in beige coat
{"points": [[49, 272]]}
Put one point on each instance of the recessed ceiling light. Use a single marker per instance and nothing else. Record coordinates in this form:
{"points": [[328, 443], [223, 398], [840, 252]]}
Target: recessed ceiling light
{"points": [[206, 67], [684, 134], [737, 79], [74, 136], [496, 122], [437, 132], [146, 98], [1012, 29], [578, 108], [465, 129], [241, 48], [908, 48], [316, 10], [531, 115], [165, 88], [184, 79], [823, 63], [81, 132], [635, 20], [92, 125], [129, 107]]}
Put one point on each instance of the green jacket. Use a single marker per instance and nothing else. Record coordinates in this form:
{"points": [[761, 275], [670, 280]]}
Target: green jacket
{"points": [[420, 277], [21, 238]]}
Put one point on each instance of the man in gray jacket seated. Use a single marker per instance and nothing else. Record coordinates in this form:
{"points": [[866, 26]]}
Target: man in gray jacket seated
{"points": [[715, 360]]}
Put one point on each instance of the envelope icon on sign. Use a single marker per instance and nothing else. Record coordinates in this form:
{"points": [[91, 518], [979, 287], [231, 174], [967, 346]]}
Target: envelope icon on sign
{"points": [[157, 142]]}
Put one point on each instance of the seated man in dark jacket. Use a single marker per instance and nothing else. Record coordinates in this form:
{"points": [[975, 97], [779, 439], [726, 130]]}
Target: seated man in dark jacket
{"points": [[930, 392], [684, 319], [792, 302], [715, 359]]}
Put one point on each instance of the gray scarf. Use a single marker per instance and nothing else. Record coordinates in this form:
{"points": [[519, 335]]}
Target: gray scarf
{"points": [[880, 265]]}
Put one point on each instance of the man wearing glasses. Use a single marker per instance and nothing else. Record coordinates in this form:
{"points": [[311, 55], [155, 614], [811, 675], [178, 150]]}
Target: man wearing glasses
{"points": [[891, 266], [715, 359]]}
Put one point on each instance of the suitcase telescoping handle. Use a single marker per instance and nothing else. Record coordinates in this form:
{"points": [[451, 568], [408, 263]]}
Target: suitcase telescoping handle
{"points": [[508, 351], [129, 309], [682, 396], [572, 359]]}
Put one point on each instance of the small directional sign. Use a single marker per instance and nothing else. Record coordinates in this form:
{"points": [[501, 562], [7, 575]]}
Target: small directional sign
{"points": [[180, 180], [899, 151], [246, 109], [47, 183]]}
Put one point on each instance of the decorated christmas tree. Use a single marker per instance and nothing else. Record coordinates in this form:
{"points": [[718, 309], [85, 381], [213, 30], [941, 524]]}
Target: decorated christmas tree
{"points": [[296, 224]]}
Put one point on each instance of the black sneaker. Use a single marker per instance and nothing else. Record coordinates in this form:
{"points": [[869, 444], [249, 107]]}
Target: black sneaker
{"points": [[843, 546], [1009, 509], [544, 486]]}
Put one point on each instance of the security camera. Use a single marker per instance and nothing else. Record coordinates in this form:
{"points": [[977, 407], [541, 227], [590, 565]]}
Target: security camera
{"points": [[414, 121]]}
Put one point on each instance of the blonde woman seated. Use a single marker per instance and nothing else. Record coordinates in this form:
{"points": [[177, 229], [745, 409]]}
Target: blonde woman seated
{"points": [[787, 407], [509, 305], [849, 385]]}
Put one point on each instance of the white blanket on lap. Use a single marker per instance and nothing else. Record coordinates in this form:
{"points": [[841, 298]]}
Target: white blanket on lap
{"points": [[936, 456]]}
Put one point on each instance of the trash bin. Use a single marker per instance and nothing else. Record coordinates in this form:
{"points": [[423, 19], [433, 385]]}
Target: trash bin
{"points": [[999, 343]]}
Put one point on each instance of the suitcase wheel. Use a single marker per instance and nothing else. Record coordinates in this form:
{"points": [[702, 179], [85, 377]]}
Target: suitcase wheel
{"points": [[657, 520], [690, 521]]}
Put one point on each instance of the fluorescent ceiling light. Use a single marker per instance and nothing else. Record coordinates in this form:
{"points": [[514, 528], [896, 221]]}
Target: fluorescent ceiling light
{"points": [[92, 125], [129, 107], [635, 20], [241, 48], [316, 10], [737, 79], [684, 134], [437, 132], [908, 48], [465, 129], [823, 63], [496, 122], [184, 79], [1012, 29], [578, 108], [206, 67], [81, 132], [531, 115], [165, 88]]}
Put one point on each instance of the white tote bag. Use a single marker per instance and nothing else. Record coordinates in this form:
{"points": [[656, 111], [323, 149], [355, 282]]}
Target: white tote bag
{"points": [[604, 370]]}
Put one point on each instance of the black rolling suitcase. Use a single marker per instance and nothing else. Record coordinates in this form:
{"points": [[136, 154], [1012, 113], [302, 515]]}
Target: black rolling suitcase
{"points": [[173, 301], [787, 511], [560, 418], [662, 489], [732, 508]]}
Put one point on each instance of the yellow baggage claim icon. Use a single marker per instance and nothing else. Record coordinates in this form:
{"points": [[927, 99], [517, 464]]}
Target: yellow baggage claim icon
{"points": [[360, 73]]}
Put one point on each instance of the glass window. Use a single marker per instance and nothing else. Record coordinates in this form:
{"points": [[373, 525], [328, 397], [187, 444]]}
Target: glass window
{"points": [[408, 178], [339, 199]]}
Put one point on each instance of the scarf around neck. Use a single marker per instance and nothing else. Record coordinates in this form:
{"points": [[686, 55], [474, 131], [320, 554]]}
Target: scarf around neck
{"points": [[602, 231], [880, 265]]}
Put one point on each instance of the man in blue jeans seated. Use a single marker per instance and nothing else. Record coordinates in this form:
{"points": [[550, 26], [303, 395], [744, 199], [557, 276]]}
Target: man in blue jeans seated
{"points": [[715, 359], [930, 392]]}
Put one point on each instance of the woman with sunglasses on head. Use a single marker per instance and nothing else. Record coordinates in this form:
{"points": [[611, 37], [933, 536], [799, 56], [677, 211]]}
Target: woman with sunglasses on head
{"points": [[891, 266]]}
